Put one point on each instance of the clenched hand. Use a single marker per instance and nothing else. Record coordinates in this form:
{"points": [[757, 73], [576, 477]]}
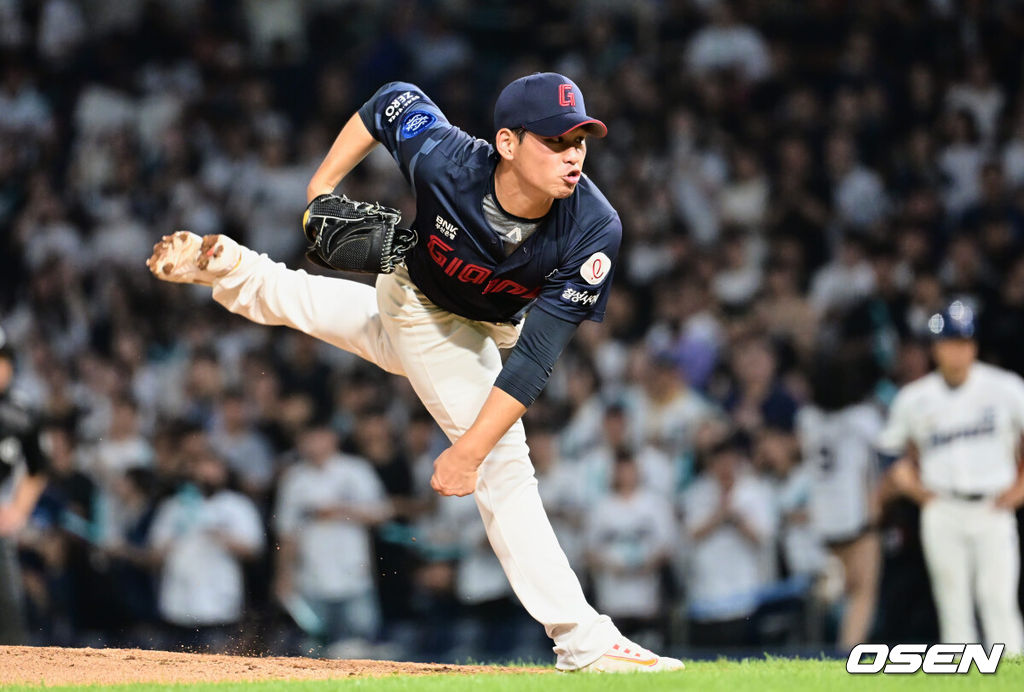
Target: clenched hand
{"points": [[455, 472]]}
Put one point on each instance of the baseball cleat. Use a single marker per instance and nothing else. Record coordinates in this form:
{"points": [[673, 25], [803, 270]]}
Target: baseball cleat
{"points": [[183, 257], [627, 657]]}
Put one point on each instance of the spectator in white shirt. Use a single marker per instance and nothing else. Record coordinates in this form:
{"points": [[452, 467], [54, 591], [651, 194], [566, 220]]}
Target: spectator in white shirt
{"points": [[629, 539], [664, 411], [960, 162], [659, 473], [731, 521], [858, 192], [122, 447], [725, 44], [979, 95], [235, 437], [844, 280], [202, 537], [326, 505]]}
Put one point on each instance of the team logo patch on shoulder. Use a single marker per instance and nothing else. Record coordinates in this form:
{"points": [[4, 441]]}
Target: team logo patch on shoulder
{"points": [[595, 269], [415, 123]]}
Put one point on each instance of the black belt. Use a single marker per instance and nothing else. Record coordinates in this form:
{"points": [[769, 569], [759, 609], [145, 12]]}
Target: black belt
{"points": [[969, 497]]}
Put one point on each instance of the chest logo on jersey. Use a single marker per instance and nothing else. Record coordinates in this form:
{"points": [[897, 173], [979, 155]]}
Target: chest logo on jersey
{"points": [[399, 104], [469, 273], [416, 123], [446, 227], [983, 427], [596, 268]]}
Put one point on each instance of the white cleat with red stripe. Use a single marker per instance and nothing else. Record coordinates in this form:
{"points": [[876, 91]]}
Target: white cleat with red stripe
{"points": [[627, 657]]}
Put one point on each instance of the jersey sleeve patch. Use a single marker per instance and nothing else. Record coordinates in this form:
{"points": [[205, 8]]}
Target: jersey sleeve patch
{"points": [[416, 123], [578, 295], [595, 270], [399, 104]]}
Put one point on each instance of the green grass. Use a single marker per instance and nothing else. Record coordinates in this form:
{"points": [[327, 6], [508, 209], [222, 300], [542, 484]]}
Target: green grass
{"points": [[784, 675]]}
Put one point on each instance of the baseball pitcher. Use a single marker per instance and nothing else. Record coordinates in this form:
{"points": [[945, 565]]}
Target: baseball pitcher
{"points": [[500, 228]]}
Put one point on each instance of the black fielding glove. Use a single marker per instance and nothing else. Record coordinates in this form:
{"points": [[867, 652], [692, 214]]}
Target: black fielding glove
{"points": [[355, 236]]}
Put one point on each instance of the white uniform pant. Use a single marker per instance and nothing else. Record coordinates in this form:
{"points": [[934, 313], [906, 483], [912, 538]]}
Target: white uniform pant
{"points": [[973, 556], [452, 363]]}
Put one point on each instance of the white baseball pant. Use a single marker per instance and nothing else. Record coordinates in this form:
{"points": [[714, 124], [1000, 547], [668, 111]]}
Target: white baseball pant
{"points": [[452, 363], [972, 543]]}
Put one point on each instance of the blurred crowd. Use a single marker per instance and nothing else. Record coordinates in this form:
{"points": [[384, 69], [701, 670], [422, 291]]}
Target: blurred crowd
{"points": [[801, 184]]}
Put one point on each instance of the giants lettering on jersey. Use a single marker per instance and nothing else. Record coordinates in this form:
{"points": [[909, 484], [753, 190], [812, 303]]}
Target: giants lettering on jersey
{"points": [[469, 273], [986, 426]]}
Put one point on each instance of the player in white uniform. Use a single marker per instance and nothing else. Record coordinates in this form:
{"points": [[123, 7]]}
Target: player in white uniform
{"points": [[963, 423], [501, 229]]}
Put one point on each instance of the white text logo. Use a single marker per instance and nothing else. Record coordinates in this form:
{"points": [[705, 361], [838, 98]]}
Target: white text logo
{"points": [[571, 295], [446, 227], [399, 104], [938, 659]]}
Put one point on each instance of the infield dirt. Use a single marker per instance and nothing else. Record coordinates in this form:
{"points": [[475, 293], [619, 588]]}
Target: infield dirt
{"points": [[46, 666]]}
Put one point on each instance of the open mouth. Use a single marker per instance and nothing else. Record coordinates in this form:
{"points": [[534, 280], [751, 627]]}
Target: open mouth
{"points": [[572, 178]]}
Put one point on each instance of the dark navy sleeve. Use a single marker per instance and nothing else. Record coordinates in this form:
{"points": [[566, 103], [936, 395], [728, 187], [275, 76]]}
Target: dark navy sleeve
{"points": [[578, 289], [402, 118], [529, 365]]}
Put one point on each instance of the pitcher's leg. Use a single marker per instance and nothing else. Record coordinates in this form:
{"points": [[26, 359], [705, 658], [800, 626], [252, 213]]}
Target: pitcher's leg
{"points": [[537, 568], [341, 312], [452, 364]]}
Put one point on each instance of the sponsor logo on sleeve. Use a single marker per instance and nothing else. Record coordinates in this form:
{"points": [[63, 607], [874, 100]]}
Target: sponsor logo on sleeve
{"points": [[579, 296], [595, 269], [415, 123], [399, 104]]}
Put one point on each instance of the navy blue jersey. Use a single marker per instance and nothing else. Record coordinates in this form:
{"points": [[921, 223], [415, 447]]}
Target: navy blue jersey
{"points": [[459, 263]]}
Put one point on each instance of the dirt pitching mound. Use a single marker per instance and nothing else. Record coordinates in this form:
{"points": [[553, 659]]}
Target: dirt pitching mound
{"points": [[29, 665]]}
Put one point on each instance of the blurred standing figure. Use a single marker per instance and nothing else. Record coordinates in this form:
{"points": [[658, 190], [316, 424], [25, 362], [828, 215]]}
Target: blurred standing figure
{"points": [[731, 522], [629, 537], [963, 424], [325, 507], [202, 536], [837, 434], [23, 468]]}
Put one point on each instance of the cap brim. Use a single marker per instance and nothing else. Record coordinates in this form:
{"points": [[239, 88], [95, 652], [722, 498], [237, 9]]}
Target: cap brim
{"points": [[564, 123]]}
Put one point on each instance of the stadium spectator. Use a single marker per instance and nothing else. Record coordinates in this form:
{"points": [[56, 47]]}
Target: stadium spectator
{"points": [[326, 506], [245, 450], [629, 536], [201, 538], [730, 520]]}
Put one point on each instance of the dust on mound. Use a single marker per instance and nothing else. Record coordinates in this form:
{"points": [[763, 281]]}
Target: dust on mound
{"points": [[28, 665]]}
